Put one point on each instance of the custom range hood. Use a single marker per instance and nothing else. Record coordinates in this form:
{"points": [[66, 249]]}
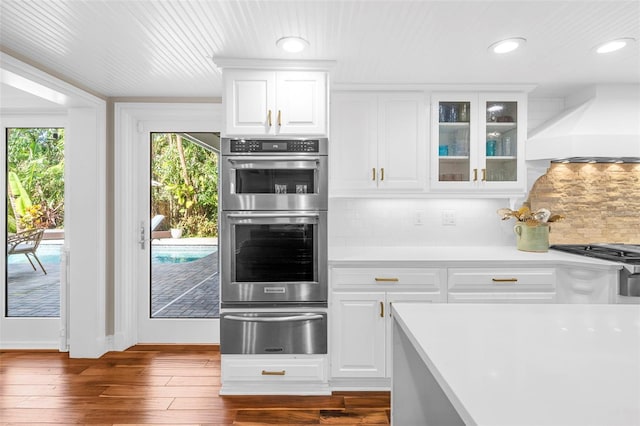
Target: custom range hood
{"points": [[602, 123]]}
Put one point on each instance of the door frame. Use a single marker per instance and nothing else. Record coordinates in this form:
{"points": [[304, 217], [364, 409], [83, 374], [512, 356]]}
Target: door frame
{"points": [[134, 122], [83, 331]]}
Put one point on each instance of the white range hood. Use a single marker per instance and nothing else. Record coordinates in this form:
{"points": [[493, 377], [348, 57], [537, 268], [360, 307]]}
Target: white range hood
{"points": [[601, 122]]}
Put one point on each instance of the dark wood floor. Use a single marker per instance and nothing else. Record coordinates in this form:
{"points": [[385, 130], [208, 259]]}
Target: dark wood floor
{"points": [[158, 385]]}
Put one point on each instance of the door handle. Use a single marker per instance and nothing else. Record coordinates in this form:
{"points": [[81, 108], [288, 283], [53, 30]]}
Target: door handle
{"points": [[381, 309], [143, 233], [373, 171], [269, 117], [279, 118], [475, 175], [484, 175], [382, 173]]}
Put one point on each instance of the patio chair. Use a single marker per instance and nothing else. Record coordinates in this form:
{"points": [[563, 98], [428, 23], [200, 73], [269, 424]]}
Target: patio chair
{"points": [[26, 242]]}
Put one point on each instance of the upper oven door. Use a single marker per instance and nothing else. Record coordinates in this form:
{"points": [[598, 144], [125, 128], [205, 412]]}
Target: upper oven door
{"points": [[274, 258], [274, 182]]}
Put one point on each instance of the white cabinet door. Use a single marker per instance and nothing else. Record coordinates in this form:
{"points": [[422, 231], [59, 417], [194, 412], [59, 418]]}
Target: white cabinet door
{"points": [[402, 157], [358, 334], [378, 141], [391, 298], [477, 142], [264, 103], [250, 102], [354, 141], [301, 106]]}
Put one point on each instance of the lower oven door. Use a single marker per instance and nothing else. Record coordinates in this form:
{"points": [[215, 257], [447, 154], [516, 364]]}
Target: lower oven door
{"points": [[273, 333], [270, 258]]}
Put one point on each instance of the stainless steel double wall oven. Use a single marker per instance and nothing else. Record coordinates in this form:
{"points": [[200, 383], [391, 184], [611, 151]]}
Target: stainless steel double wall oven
{"points": [[273, 243]]}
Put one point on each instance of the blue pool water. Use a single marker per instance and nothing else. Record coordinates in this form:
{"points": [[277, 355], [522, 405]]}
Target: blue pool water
{"points": [[50, 254]]}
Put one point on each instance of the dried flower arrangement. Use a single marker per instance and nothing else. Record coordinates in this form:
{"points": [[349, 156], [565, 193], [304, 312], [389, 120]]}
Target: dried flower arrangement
{"points": [[530, 218]]}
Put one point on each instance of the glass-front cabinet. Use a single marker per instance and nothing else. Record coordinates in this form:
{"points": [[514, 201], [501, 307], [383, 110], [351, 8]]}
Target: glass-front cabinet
{"points": [[477, 141]]}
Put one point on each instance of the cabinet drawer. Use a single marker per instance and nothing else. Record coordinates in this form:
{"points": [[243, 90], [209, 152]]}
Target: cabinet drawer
{"points": [[428, 279], [273, 369], [501, 280]]}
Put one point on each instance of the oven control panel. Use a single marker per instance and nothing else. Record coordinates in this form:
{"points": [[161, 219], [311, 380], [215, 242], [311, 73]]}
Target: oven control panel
{"points": [[253, 145]]}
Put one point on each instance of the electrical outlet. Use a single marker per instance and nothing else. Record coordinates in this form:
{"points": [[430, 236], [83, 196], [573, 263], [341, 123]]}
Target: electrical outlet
{"points": [[419, 218], [449, 217]]}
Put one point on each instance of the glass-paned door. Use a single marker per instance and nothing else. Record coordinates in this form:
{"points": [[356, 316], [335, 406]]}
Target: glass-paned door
{"points": [[454, 148], [34, 222], [184, 226], [501, 141]]}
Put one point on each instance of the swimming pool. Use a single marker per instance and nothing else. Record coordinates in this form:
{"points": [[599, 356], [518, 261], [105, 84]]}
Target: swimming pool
{"points": [[50, 254]]}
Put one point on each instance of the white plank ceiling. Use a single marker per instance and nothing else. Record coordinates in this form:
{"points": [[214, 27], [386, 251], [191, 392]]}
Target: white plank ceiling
{"points": [[164, 48]]}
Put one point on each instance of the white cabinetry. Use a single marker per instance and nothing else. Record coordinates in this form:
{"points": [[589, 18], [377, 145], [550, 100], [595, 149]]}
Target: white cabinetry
{"points": [[274, 375], [378, 141], [264, 103], [360, 323], [587, 285], [477, 142], [502, 285]]}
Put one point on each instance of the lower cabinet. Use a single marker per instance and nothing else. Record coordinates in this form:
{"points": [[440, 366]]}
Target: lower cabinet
{"points": [[501, 285], [360, 331], [274, 375]]}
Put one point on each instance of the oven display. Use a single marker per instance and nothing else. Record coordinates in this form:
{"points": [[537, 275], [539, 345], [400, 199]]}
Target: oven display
{"points": [[274, 146]]}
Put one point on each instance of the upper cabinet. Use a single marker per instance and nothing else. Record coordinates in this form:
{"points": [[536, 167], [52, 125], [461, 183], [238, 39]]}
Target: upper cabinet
{"points": [[477, 142], [378, 142], [271, 103]]}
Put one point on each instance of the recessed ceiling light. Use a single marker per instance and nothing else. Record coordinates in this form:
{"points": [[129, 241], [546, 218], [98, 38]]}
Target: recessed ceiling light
{"points": [[613, 45], [508, 45], [292, 44]]}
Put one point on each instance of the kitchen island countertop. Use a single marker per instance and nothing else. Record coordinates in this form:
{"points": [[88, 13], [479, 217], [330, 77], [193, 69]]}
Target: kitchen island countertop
{"points": [[519, 364]]}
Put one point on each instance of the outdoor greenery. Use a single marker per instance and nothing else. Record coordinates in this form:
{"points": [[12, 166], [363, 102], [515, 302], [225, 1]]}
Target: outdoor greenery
{"points": [[184, 181], [35, 179], [184, 185]]}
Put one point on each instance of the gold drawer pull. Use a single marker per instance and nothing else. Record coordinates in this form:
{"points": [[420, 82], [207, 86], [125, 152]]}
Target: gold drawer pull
{"points": [[387, 280], [273, 373], [504, 280]]}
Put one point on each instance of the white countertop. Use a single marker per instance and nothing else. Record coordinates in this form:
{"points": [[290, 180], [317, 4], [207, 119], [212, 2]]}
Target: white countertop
{"points": [[459, 254], [531, 364]]}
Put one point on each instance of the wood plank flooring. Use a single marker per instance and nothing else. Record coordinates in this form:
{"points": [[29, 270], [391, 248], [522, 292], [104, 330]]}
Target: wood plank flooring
{"points": [[167, 384]]}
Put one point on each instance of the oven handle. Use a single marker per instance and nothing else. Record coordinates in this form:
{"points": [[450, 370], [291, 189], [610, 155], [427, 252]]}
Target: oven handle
{"points": [[271, 215], [274, 319]]}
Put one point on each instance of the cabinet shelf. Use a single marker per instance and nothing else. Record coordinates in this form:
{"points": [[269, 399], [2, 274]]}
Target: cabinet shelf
{"points": [[453, 157], [501, 157], [492, 125]]}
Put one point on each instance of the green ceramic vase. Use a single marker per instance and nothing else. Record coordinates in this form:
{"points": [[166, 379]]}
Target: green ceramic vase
{"points": [[532, 238]]}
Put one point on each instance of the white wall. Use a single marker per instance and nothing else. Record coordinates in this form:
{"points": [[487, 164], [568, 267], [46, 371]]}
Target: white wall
{"points": [[391, 222]]}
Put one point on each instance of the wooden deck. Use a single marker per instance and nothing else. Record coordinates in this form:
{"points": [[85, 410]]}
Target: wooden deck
{"points": [[168, 384]]}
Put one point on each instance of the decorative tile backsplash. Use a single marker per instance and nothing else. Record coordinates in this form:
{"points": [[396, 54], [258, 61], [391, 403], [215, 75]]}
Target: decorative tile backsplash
{"points": [[600, 202]]}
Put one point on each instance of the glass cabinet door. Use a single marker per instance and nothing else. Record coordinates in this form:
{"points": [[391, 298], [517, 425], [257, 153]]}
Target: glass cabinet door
{"points": [[501, 141], [454, 141]]}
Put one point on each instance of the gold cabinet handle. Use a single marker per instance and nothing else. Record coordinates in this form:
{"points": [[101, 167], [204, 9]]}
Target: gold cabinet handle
{"points": [[381, 309], [373, 171], [382, 173], [386, 280], [279, 118], [269, 117], [273, 373], [504, 280], [484, 175], [475, 175]]}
